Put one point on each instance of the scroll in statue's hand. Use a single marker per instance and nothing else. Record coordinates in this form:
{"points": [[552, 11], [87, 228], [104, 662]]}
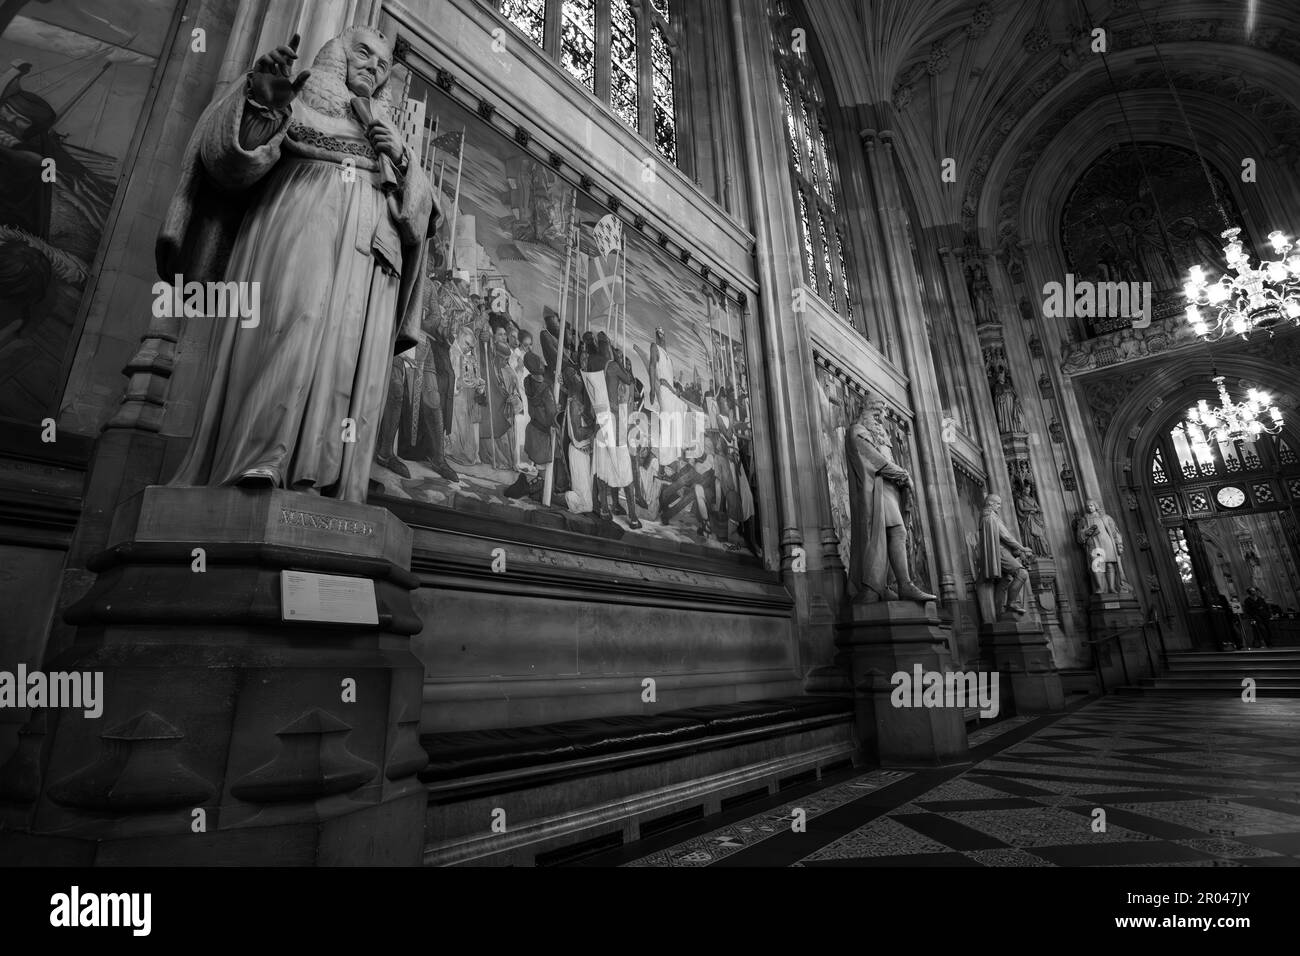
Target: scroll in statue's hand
{"points": [[386, 140], [269, 82]]}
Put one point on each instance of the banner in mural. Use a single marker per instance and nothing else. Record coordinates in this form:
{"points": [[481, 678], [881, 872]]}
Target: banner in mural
{"points": [[569, 365], [74, 81]]}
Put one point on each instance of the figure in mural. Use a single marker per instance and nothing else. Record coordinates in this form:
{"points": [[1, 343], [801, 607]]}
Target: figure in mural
{"points": [[880, 506], [1000, 575], [295, 400], [669, 405], [496, 430], [1100, 537], [468, 400]]}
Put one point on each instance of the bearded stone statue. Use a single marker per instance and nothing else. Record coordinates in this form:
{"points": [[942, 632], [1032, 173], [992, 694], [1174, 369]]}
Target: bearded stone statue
{"points": [[880, 501]]}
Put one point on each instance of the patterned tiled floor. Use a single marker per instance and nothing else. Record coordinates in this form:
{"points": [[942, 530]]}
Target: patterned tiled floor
{"points": [[1182, 782]]}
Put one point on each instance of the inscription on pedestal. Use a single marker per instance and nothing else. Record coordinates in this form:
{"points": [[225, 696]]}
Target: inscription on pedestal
{"points": [[310, 519]]}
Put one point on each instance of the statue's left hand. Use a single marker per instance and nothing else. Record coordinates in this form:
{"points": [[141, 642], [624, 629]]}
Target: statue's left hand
{"points": [[386, 140]]}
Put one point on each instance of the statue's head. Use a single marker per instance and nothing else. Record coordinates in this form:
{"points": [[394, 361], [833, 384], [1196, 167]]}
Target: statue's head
{"points": [[369, 59], [1092, 507], [992, 504], [357, 62], [872, 413], [660, 337]]}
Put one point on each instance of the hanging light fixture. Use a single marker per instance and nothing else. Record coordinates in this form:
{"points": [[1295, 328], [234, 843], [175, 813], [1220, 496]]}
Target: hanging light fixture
{"points": [[1257, 298], [1230, 421]]}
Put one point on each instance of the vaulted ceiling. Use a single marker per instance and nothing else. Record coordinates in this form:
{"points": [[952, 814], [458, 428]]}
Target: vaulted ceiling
{"points": [[995, 85]]}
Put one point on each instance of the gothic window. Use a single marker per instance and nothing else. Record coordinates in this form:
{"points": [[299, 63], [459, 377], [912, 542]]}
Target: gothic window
{"points": [[623, 75], [625, 52], [661, 62], [578, 41], [527, 15], [814, 173]]}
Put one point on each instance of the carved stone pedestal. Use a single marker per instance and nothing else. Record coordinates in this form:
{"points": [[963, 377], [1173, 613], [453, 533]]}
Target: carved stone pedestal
{"points": [[1125, 658], [1027, 677], [1114, 611], [881, 640], [228, 735]]}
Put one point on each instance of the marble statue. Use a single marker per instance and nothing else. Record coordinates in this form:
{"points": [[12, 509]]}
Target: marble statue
{"points": [[1032, 528], [999, 571], [303, 188], [880, 500], [1006, 403], [1100, 537], [981, 295]]}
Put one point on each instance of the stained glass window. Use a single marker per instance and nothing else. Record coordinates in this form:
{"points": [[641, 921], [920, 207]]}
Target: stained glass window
{"points": [[814, 167], [810, 262], [661, 62], [578, 40], [623, 51], [828, 273], [623, 83], [826, 167], [527, 15], [844, 274], [813, 173], [792, 126], [1158, 476]]}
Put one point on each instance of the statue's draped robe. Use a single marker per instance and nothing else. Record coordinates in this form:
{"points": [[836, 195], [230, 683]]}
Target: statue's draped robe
{"points": [[339, 267], [875, 505]]}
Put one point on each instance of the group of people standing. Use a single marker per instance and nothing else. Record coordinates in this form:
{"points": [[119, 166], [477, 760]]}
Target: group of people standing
{"points": [[476, 393]]}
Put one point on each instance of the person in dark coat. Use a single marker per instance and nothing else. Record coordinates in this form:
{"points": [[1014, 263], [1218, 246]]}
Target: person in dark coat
{"points": [[1257, 609]]}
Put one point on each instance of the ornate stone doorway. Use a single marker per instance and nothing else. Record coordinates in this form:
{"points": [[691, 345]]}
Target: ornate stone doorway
{"points": [[1225, 520]]}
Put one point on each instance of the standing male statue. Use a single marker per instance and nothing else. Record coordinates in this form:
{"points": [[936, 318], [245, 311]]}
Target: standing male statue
{"points": [[879, 502], [303, 186], [1000, 574], [1100, 537]]}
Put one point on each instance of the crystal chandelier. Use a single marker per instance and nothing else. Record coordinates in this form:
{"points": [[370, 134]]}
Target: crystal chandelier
{"points": [[1231, 421], [1255, 299]]}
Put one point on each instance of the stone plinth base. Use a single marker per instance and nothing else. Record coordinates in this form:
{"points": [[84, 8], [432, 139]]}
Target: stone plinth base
{"points": [[1125, 658], [228, 736], [1114, 611], [881, 640], [1028, 679]]}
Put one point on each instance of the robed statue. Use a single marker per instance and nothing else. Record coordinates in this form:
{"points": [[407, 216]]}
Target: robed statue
{"points": [[305, 187], [880, 502], [998, 568], [1100, 537]]}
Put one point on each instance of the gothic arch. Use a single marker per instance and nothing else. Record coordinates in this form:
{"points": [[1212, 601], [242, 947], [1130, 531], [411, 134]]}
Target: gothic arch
{"points": [[1145, 400]]}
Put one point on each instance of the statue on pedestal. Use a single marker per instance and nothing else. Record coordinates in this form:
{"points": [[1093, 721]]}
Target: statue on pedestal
{"points": [[1000, 575], [303, 191], [1100, 537], [880, 501]]}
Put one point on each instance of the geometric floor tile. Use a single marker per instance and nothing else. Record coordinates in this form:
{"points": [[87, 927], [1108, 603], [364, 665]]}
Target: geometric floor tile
{"points": [[1042, 826], [882, 837], [1185, 782]]}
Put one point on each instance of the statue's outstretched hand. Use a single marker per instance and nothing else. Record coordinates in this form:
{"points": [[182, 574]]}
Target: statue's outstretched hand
{"points": [[270, 84]]}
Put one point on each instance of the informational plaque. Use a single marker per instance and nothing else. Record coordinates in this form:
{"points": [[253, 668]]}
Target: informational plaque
{"points": [[327, 598]]}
